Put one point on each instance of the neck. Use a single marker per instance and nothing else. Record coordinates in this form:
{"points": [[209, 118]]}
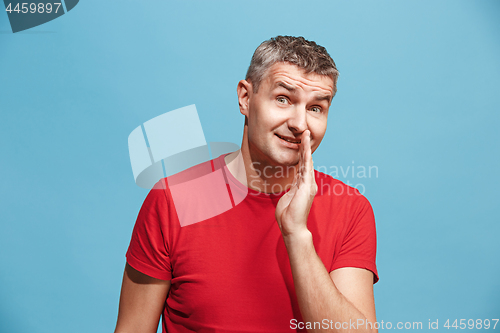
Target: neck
{"points": [[257, 173]]}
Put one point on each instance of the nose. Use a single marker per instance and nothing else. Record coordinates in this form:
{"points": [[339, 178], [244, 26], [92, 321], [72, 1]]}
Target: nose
{"points": [[297, 122]]}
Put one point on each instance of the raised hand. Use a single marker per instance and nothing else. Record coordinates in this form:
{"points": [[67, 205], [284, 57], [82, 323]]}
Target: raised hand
{"points": [[294, 206]]}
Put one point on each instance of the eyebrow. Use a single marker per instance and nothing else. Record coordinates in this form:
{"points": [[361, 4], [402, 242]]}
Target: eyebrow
{"points": [[286, 86], [292, 89], [327, 98]]}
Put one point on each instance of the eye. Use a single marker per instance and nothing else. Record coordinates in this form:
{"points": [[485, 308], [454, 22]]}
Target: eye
{"points": [[282, 100], [316, 109]]}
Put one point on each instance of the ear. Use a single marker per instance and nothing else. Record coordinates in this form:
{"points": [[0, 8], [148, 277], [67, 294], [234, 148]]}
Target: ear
{"points": [[244, 91]]}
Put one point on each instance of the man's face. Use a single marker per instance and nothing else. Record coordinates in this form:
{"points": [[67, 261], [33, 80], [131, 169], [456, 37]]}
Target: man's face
{"points": [[287, 103]]}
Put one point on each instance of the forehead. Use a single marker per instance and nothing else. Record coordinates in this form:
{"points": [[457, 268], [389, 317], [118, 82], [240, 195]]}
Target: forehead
{"points": [[295, 76]]}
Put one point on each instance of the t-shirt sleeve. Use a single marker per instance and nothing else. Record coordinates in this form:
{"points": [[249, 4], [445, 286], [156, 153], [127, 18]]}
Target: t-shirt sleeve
{"points": [[148, 251], [359, 246]]}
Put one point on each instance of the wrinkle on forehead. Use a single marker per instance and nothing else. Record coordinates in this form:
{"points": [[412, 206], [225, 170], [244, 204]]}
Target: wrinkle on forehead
{"points": [[297, 78]]}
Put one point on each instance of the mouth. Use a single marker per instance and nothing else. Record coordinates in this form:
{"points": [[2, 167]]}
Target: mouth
{"points": [[288, 139]]}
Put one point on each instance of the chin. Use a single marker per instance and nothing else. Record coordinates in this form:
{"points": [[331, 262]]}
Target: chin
{"points": [[286, 160]]}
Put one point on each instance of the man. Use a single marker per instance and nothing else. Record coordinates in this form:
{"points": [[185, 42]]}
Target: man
{"points": [[295, 252]]}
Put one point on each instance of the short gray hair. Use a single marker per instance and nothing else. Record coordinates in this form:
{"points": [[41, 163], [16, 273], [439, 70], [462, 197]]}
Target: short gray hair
{"points": [[298, 51]]}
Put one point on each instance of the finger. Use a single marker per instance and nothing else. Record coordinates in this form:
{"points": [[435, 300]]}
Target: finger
{"points": [[295, 180], [300, 166], [300, 171], [307, 149], [309, 178], [305, 153], [286, 199], [307, 156]]}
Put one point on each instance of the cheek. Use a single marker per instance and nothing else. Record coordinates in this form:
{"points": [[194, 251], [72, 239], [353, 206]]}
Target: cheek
{"points": [[266, 120], [318, 132], [317, 128]]}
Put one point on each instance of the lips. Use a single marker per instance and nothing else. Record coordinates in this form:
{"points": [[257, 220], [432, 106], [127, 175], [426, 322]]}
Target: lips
{"points": [[288, 139]]}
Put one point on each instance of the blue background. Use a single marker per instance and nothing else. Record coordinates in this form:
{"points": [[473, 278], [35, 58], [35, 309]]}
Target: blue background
{"points": [[418, 97]]}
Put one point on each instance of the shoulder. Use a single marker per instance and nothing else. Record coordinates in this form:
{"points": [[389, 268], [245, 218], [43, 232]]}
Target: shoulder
{"points": [[336, 190], [179, 186], [191, 173]]}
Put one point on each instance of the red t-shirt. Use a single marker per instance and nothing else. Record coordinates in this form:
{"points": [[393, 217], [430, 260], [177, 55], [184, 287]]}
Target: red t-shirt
{"points": [[231, 272]]}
